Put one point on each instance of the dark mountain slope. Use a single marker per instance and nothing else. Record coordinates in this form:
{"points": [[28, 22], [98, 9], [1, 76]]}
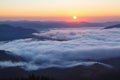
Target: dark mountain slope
{"points": [[73, 73], [7, 56], [8, 32], [112, 61], [113, 26], [37, 25], [12, 72], [94, 72]]}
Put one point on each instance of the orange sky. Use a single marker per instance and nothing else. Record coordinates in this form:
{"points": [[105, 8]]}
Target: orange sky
{"points": [[59, 9]]}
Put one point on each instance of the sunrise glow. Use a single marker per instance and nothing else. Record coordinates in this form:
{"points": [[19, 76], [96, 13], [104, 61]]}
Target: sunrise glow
{"points": [[60, 9]]}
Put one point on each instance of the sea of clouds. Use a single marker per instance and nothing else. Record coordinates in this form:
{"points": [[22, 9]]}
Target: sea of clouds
{"points": [[64, 48]]}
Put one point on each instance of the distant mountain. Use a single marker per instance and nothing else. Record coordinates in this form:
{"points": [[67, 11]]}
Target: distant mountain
{"points": [[7, 56], [94, 72], [8, 32], [113, 26], [37, 25], [112, 61], [74, 73]]}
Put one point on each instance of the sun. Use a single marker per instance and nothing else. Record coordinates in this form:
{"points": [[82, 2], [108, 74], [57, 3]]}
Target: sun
{"points": [[74, 17]]}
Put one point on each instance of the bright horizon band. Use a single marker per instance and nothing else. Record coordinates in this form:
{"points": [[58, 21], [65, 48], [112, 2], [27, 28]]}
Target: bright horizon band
{"points": [[60, 9]]}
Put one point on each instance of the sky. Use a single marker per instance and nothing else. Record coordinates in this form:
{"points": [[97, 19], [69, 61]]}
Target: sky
{"points": [[60, 9]]}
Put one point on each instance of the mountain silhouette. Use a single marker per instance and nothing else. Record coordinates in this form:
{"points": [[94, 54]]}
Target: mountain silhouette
{"points": [[8, 32], [113, 26], [7, 56]]}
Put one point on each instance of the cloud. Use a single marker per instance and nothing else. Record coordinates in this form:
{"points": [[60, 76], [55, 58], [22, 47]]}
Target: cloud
{"points": [[31, 66], [80, 46], [24, 65]]}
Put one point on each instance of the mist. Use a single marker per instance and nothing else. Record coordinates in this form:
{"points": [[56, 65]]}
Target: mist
{"points": [[64, 48]]}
